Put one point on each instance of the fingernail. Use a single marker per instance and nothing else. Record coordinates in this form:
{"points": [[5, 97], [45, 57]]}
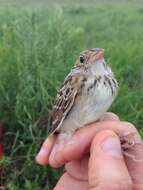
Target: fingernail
{"points": [[111, 146]]}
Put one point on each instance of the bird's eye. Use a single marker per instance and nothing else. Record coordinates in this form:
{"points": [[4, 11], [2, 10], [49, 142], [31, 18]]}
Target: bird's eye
{"points": [[82, 59]]}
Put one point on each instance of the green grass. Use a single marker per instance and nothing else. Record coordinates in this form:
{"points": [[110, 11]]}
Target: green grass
{"points": [[39, 43]]}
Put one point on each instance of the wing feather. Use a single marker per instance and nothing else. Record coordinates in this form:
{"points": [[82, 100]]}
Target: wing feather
{"points": [[64, 101]]}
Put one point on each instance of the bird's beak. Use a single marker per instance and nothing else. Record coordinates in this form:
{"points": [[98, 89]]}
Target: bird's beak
{"points": [[99, 54]]}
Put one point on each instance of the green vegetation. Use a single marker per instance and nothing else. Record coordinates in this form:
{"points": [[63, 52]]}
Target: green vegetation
{"points": [[39, 42]]}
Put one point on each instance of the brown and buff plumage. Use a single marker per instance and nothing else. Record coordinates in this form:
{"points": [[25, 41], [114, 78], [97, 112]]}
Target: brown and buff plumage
{"points": [[79, 88]]}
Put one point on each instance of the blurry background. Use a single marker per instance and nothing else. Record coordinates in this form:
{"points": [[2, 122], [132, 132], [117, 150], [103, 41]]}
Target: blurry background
{"points": [[39, 42]]}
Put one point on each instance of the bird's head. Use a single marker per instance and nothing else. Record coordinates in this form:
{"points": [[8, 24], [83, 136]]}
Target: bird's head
{"points": [[93, 61]]}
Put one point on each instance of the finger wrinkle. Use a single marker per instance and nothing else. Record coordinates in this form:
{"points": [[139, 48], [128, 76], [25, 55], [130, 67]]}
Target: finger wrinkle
{"points": [[76, 178]]}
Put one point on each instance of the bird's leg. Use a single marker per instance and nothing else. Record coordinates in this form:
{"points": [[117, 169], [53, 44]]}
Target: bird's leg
{"points": [[128, 144], [126, 141]]}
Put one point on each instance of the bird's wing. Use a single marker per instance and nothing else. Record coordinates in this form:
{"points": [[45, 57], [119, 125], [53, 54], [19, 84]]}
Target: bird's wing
{"points": [[65, 100]]}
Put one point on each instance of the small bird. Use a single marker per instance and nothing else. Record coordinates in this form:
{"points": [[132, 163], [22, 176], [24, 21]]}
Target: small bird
{"points": [[86, 94]]}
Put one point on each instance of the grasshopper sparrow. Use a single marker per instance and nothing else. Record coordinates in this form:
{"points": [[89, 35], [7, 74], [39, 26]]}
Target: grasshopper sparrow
{"points": [[86, 94]]}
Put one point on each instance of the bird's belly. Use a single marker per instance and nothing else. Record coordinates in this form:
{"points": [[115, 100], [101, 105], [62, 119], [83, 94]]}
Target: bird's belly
{"points": [[89, 107], [95, 104]]}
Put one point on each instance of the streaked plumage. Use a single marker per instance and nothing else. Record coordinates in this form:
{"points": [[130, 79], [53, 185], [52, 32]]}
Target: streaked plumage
{"points": [[86, 94]]}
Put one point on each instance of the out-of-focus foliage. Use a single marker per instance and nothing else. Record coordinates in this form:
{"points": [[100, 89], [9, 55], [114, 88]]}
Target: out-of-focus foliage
{"points": [[39, 42]]}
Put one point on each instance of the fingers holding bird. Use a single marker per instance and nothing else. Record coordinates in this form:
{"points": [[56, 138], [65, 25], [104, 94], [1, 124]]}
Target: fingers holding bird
{"points": [[54, 143], [56, 152]]}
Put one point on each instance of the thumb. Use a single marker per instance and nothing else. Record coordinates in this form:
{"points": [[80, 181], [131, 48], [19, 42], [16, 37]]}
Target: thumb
{"points": [[107, 169]]}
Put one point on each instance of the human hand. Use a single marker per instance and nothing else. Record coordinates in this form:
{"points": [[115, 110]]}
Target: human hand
{"points": [[93, 158]]}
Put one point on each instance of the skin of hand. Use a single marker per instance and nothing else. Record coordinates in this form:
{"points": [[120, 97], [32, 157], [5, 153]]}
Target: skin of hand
{"points": [[93, 157]]}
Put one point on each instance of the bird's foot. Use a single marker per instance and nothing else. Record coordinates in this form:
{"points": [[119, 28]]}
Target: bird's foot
{"points": [[129, 145]]}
